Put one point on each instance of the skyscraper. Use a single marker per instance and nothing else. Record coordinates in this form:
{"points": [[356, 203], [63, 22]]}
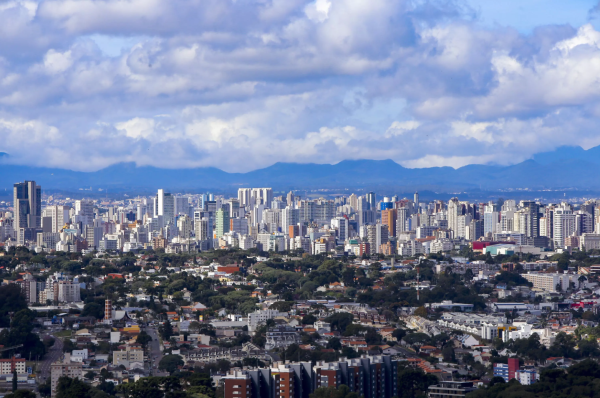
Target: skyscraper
{"points": [[533, 218], [85, 210], [27, 208], [164, 205], [222, 222], [454, 210], [372, 201]]}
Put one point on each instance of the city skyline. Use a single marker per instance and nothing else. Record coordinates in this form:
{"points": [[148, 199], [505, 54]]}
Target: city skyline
{"points": [[242, 85]]}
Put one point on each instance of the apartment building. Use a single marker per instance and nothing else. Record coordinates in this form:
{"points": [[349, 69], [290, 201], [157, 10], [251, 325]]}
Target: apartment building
{"points": [[128, 356], [238, 385], [548, 282], [66, 368], [454, 389], [8, 366], [368, 376]]}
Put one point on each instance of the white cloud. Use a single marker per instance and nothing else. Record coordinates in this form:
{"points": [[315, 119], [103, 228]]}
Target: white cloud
{"points": [[249, 83], [56, 62]]}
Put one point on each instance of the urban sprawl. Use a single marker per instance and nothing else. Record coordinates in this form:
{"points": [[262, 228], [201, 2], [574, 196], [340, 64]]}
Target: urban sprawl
{"points": [[277, 295]]}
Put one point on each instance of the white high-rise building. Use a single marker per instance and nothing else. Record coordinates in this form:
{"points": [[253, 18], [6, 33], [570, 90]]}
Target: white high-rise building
{"points": [[203, 229], [59, 215], [342, 228], [255, 196], [564, 225], [490, 219], [454, 210], [462, 226], [184, 225], [164, 205], [85, 210]]}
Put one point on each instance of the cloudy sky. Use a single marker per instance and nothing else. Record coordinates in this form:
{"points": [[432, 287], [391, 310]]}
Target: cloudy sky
{"points": [[242, 84]]}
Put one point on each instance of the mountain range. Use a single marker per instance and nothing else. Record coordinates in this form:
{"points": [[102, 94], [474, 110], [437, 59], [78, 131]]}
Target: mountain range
{"points": [[564, 168]]}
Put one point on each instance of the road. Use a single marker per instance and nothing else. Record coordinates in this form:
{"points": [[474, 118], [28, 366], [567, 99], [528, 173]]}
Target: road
{"points": [[52, 356], [154, 350]]}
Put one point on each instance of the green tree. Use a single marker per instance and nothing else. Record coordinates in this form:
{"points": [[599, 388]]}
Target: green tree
{"points": [[334, 343], [448, 353], [166, 330], [399, 334], [421, 311], [343, 391], [143, 338], [45, 388], [413, 383], [93, 309], [15, 386], [12, 300], [170, 363], [70, 388], [21, 394], [340, 321]]}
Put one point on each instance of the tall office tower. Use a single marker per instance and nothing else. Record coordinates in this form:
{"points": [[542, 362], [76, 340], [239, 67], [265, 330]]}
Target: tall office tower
{"points": [[289, 216], [141, 210], [564, 225], [290, 198], [59, 216], [244, 195], [389, 217], [533, 218], [370, 233], [85, 210], [182, 205], [353, 201], [27, 207], [234, 208], [366, 217], [164, 205], [184, 225], [255, 196], [342, 226], [543, 226], [239, 225], [203, 229], [93, 234], [372, 201], [416, 200], [403, 214], [548, 213], [381, 236], [362, 204], [463, 225], [475, 230], [589, 207], [584, 223], [222, 222], [454, 210], [272, 219], [507, 216], [490, 219]]}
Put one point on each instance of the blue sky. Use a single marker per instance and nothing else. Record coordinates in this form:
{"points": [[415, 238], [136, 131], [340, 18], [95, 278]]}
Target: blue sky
{"points": [[525, 15], [242, 84]]}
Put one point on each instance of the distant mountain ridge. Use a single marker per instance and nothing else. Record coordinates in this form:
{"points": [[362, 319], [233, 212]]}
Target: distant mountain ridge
{"points": [[565, 167]]}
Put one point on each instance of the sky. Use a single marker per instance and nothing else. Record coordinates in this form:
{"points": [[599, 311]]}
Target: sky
{"points": [[243, 84]]}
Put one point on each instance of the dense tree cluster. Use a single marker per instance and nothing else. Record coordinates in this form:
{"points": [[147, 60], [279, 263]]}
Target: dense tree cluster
{"points": [[580, 380]]}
